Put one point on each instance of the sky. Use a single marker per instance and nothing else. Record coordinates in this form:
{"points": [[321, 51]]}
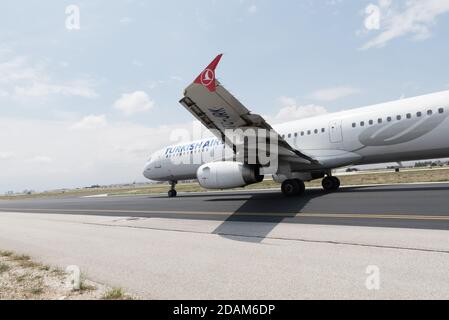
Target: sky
{"points": [[89, 89]]}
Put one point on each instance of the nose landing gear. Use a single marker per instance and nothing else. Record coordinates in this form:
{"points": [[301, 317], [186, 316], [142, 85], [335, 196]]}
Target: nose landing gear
{"points": [[172, 192], [331, 184]]}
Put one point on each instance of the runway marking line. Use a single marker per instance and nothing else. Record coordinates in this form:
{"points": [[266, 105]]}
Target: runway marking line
{"points": [[252, 214]]}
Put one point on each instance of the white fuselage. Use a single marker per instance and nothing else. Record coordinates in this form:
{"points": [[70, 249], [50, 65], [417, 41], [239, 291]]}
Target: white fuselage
{"points": [[403, 130]]}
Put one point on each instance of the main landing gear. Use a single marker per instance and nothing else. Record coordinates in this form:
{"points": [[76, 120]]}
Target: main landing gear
{"points": [[172, 192], [293, 187], [296, 187], [330, 184]]}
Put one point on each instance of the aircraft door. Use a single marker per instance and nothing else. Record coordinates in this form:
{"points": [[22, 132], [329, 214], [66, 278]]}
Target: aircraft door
{"points": [[336, 131]]}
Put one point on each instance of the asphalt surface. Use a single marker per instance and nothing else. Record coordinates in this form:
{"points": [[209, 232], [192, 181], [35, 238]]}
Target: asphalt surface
{"points": [[250, 245], [421, 206]]}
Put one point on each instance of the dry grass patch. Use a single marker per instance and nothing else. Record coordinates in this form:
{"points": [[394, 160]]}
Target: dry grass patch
{"points": [[116, 294], [23, 279], [4, 267], [5, 253]]}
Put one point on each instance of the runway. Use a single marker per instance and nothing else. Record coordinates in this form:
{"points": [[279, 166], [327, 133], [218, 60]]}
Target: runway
{"points": [[423, 206], [246, 245]]}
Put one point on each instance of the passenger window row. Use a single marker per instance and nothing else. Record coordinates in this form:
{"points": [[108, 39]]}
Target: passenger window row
{"points": [[303, 133], [398, 118]]}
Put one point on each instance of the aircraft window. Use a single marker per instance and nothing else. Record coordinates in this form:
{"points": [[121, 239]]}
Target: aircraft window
{"points": [[316, 131], [354, 125], [409, 115], [289, 135], [441, 110], [371, 122], [309, 132], [296, 134], [389, 119], [419, 114], [323, 130], [379, 120], [429, 112], [362, 124], [283, 136], [302, 133], [399, 118]]}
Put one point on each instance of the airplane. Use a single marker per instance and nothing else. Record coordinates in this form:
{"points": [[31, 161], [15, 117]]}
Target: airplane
{"points": [[308, 149]]}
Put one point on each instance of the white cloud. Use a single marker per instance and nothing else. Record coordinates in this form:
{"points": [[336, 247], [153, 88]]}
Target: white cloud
{"points": [[22, 78], [157, 83], [45, 89], [126, 20], [332, 94], [41, 160], [90, 122], [291, 110], [132, 103], [176, 78], [415, 17], [252, 9], [137, 63], [334, 2], [5, 155]]}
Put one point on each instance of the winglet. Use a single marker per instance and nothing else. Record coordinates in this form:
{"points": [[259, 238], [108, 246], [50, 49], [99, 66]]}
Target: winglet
{"points": [[207, 77]]}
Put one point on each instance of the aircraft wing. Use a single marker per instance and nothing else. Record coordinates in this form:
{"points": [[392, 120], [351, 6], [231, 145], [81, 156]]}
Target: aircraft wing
{"points": [[217, 109]]}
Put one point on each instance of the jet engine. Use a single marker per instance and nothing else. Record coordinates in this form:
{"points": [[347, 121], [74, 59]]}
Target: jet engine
{"points": [[227, 175]]}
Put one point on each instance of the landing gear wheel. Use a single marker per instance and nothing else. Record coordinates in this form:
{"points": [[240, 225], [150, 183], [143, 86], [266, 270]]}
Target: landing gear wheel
{"points": [[337, 183], [291, 188], [172, 193], [331, 184]]}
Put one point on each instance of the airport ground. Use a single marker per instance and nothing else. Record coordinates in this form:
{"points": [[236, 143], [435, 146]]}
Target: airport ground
{"points": [[364, 242], [368, 177]]}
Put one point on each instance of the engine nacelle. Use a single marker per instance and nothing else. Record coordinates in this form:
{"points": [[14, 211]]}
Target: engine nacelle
{"points": [[227, 175]]}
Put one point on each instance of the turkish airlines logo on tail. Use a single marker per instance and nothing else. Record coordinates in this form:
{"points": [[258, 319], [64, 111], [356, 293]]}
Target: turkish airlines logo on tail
{"points": [[207, 77]]}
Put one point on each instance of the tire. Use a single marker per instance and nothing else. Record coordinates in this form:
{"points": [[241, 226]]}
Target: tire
{"points": [[302, 187], [291, 188], [330, 184], [172, 193], [337, 183]]}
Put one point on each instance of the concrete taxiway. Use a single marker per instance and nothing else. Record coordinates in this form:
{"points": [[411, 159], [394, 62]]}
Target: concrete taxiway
{"points": [[246, 245]]}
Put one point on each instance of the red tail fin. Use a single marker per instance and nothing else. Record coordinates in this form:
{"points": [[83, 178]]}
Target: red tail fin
{"points": [[207, 77]]}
